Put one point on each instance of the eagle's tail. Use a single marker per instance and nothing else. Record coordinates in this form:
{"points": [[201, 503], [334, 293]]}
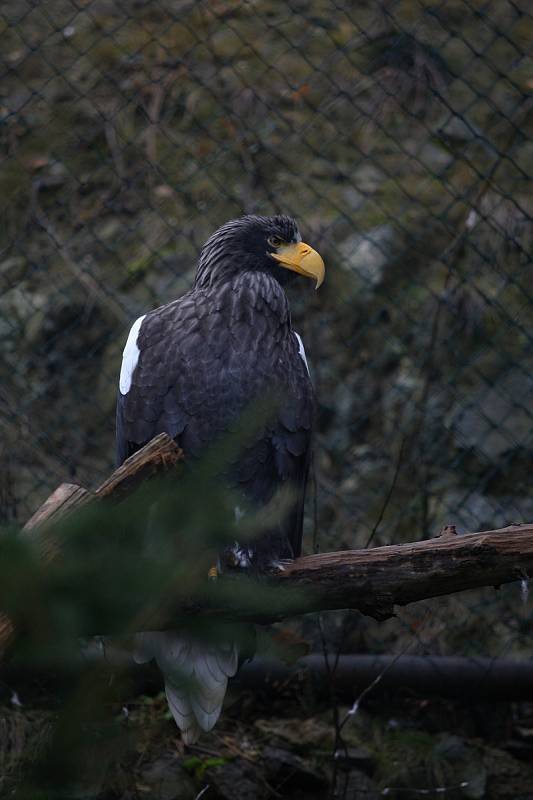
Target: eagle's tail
{"points": [[196, 676]]}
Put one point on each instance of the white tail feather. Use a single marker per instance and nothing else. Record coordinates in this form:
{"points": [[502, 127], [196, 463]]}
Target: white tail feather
{"points": [[196, 676]]}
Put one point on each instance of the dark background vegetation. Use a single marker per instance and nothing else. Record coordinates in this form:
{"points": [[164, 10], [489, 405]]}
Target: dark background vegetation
{"points": [[399, 135]]}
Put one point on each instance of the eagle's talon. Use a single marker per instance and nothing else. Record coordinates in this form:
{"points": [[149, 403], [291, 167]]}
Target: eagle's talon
{"points": [[280, 564], [213, 573], [239, 557]]}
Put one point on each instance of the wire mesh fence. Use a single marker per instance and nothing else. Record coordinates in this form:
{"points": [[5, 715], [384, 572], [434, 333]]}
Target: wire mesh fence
{"points": [[396, 134]]}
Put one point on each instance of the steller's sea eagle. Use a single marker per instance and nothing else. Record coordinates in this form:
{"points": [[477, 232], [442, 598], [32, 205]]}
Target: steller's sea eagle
{"points": [[190, 369]]}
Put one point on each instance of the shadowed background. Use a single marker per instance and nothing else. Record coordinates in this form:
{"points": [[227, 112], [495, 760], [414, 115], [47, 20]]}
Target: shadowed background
{"points": [[398, 135]]}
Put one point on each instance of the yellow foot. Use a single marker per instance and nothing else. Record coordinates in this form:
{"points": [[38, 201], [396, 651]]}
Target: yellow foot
{"points": [[212, 575]]}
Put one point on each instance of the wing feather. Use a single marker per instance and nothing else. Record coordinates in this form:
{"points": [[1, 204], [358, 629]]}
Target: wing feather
{"points": [[203, 360]]}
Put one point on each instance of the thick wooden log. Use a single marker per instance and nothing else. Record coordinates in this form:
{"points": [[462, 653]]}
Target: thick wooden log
{"points": [[374, 581], [158, 456], [66, 498]]}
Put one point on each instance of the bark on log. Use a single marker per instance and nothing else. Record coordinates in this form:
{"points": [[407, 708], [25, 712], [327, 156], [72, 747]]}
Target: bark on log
{"points": [[374, 581]]}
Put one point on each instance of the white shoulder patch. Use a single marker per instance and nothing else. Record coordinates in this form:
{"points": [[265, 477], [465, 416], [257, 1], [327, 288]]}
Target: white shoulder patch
{"points": [[130, 357], [301, 350]]}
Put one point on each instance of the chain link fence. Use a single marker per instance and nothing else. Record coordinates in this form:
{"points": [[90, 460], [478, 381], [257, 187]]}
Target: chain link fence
{"points": [[398, 136]]}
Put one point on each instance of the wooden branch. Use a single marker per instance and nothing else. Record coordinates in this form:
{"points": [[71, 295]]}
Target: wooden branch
{"points": [[372, 581], [160, 455]]}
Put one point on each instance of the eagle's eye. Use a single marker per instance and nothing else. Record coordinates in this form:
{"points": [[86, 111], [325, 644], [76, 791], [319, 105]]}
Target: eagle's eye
{"points": [[275, 241]]}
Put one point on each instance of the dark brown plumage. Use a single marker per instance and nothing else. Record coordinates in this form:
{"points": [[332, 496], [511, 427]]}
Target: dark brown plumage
{"points": [[192, 368], [207, 357]]}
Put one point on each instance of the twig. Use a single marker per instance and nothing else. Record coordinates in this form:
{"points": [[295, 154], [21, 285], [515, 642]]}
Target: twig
{"points": [[438, 790], [355, 707], [389, 493]]}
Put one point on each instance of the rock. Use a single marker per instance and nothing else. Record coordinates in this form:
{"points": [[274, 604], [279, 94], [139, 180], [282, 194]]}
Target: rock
{"points": [[353, 199], [235, 781], [293, 773], [368, 178], [358, 758], [18, 307], [434, 156], [12, 270], [355, 786], [458, 130], [58, 171], [302, 734], [367, 254], [289, 774], [108, 229], [167, 781], [497, 417]]}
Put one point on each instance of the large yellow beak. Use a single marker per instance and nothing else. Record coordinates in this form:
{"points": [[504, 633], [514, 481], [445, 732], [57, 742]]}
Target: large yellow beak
{"points": [[302, 259]]}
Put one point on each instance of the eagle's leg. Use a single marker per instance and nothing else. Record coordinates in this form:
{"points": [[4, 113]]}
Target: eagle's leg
{"points": [[237, 557], [270, 553], [273, 552]]}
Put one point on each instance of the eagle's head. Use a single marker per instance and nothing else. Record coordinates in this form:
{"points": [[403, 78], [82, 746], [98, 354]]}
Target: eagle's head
{"points": [[266, 244]]}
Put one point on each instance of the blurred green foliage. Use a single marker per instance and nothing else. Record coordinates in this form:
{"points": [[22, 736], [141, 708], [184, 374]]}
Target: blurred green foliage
{"points": [[119, 568]]}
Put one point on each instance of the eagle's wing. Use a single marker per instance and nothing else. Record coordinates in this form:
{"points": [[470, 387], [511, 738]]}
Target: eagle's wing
{"points": [[192, 367]]}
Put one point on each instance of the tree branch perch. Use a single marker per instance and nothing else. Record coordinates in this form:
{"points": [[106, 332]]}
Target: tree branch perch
{"points": [[372, 581]]}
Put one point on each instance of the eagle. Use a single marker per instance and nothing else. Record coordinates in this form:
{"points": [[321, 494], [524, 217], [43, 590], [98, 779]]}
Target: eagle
{"points": [[191, 369]]}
